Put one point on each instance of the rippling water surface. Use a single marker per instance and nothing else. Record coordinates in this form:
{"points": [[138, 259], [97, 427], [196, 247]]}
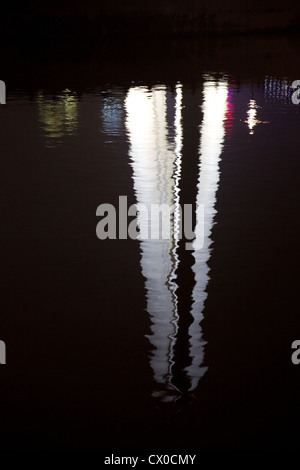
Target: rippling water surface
{"points": [[156, 341]]}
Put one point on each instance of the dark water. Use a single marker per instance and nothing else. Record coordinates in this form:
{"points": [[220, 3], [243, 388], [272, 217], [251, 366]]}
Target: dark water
{"points": [[142, 344]]}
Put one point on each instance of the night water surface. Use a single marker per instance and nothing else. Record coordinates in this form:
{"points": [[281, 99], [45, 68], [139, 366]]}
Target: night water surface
{"points": [[142, 343]]}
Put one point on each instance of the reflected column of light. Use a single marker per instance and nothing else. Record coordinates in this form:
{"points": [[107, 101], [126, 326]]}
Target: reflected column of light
{"points": [[212, 135], [252, 120], [252, 113], [153, 168], [177, 213]]}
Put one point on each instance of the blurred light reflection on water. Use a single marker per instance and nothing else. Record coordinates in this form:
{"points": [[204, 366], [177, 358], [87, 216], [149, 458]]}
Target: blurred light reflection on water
{"points": [[156, 163]]}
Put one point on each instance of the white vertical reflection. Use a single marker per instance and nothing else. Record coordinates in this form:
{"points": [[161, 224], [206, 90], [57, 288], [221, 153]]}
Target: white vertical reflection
{"points": [[156, 164], [212, 133], [156, 161]]}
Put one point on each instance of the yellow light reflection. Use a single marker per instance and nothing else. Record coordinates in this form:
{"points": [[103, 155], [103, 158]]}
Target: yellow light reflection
{"points": [[58, 116]]}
